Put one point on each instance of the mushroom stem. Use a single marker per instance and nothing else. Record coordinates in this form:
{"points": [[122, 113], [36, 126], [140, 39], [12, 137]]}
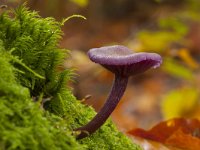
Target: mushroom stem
{"points": [[117, 91]]}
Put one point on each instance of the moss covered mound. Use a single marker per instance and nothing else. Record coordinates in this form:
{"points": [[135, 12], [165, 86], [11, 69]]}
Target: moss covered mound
{"points": [[29, 75]]}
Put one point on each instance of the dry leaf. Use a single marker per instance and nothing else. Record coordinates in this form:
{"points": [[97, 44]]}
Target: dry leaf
{"points": [[174, 132]]}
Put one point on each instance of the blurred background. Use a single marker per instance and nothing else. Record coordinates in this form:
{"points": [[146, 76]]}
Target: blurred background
{"points": [[168, 27]]}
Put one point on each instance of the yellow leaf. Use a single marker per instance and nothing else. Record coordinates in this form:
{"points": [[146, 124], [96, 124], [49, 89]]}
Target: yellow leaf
{"points": [[179, 102], [156, 41], [172, 67], [185, 55], [81, 3]]}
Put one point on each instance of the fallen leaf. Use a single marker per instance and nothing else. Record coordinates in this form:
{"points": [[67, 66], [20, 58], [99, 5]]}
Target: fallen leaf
{"points": [[186, 56], [179, 138], [176, 104], [176, 69], [173, 132]]}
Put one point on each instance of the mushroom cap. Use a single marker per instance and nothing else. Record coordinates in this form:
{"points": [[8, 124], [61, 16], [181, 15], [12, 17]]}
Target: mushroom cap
{"points": [[123, 61]]}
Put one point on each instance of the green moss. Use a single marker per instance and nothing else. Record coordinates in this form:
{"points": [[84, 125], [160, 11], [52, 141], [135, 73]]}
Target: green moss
{"points": [[22, 122], [29, 74], [77, 114]]}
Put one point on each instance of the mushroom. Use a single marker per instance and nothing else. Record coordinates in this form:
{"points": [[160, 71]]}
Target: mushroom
{"points": [[123, 63]]}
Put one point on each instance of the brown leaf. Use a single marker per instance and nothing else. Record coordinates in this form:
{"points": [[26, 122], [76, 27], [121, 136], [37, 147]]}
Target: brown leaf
{"points": [[174, 132], [179, 138]]}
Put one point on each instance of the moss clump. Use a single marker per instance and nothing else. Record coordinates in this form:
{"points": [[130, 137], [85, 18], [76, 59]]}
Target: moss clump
{"points": [[22, 122], [29, 74]]}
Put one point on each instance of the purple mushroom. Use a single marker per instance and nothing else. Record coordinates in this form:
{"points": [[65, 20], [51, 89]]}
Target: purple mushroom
{"points": [[123, 63]]}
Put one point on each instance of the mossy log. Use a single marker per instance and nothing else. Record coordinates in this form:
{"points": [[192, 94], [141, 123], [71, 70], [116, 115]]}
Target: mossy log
{"points": [[29, 75]]}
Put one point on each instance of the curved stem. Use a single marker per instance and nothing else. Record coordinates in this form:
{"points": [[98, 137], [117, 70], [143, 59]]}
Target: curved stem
{"points": [[113, 99]]}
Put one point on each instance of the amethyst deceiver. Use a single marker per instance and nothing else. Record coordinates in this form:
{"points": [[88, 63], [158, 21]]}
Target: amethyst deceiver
{"points": [[123, 63]]}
